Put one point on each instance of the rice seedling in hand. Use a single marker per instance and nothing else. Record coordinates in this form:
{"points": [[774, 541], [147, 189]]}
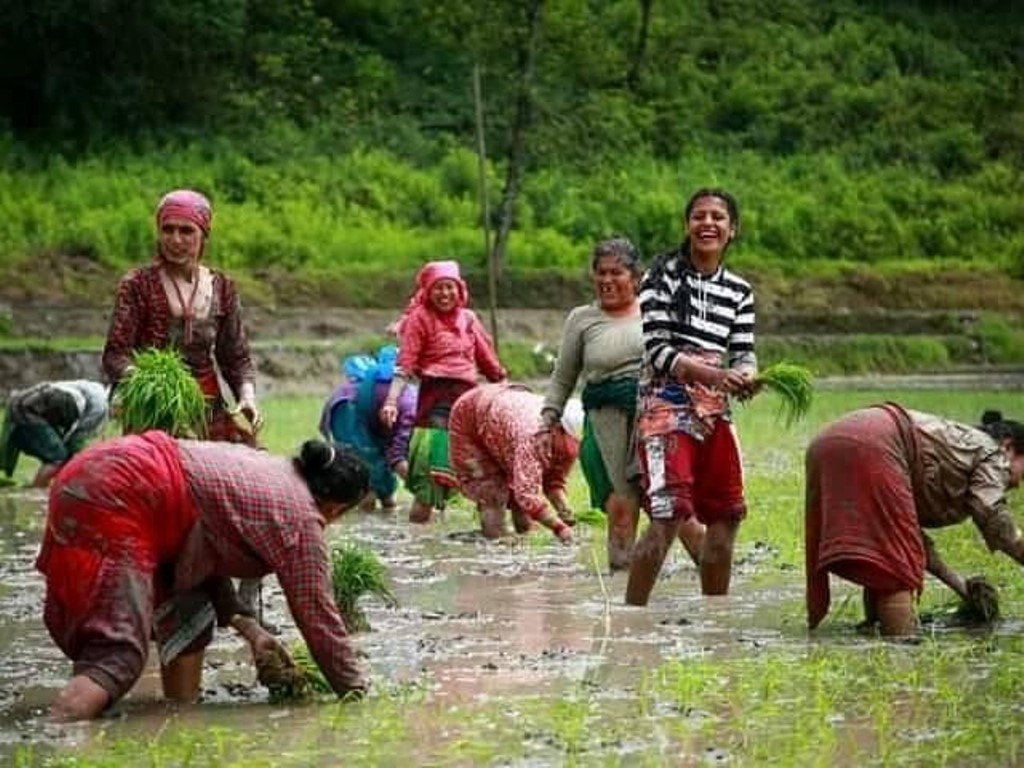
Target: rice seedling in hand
{"points": [[161, 393], [794, 386], [356, 572]]}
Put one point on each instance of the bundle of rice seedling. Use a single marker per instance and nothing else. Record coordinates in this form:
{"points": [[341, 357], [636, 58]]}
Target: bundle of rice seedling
{"points": [[295, 681], [356, 572], [794, 386], [161, 393]]}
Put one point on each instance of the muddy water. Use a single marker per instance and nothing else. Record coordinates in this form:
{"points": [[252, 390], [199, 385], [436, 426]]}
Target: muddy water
{"points": [[477, 621], [481, 629]]}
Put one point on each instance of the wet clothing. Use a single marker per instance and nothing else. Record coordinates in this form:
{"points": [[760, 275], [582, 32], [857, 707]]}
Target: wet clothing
{"points": [[687, 478], [206, 327], [351, 417], [497, 456], [446, 352], [710, 318], [604, 351], [51, 421], [135, 515], [876, 477]]}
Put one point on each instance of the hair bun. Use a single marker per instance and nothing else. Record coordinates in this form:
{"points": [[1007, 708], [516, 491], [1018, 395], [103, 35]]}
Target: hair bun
{"points": [[316, 455], [991, 417]]}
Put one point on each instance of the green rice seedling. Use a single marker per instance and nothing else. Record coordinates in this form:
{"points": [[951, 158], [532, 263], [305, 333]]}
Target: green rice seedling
{"points": [[304, 681], [356, 572], [161, 393], [794, 386], [594, 517]]}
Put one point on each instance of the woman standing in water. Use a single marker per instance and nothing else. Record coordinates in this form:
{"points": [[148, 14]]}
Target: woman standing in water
{"points": [[444, 346], [876, 477], [698, 332], [503, 464], [178, 302], [138, 520], [350, 417], [602, 343]]}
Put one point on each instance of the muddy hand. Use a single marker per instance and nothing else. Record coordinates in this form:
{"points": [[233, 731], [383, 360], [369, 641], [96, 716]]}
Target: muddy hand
{"points": [[982, 599], [274, 666]]}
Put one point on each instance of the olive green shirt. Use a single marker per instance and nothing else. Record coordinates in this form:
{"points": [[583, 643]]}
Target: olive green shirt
{"points": [[964, 473], [597, 347]]}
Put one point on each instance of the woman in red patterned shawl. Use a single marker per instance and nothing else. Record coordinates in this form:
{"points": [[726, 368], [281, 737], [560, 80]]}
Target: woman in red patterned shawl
{"points": [[443, 344], [141, 520], [503, 462], [178, 302]]}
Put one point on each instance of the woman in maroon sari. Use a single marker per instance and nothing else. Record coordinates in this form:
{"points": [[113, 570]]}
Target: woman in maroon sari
{"points": [[879, 476], [177, 302]]}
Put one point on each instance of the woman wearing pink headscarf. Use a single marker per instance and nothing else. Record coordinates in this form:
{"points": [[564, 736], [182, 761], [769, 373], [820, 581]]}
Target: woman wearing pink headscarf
{"points": [[444, 345], [177, 302]]}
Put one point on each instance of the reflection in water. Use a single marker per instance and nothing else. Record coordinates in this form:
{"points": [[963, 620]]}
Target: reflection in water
{"points": [[478, 623]]}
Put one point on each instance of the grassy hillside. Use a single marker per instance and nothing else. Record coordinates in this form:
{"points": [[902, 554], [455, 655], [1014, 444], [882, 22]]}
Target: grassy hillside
{"points": [[874, 147]]}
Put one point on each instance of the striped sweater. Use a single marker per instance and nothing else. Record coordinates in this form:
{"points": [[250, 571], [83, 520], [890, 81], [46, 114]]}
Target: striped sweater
{"points": [[684, 310]]}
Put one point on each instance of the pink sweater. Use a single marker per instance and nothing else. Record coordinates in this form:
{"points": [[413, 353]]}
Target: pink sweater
{"points": [[452, 346]]}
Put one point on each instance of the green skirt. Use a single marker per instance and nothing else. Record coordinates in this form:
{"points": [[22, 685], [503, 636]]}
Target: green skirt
{"points": [[431, 479]]}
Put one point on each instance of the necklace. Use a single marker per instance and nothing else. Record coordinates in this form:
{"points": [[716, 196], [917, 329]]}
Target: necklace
{"points": [[187, 307]]}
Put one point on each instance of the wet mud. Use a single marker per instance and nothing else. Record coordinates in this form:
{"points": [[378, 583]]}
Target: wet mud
{"points": [[477, 624]]}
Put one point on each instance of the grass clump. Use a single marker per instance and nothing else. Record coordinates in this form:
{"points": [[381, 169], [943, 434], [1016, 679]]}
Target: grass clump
{"points": [[355, 572], [161, 393], [794, 386]]}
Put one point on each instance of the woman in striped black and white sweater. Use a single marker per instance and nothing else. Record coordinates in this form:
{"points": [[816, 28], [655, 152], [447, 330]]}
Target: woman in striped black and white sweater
{"points": [[698, 331]]}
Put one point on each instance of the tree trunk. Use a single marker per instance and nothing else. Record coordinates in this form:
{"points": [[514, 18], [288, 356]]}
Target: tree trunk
{"points": [[640, 52], [526, 57]]}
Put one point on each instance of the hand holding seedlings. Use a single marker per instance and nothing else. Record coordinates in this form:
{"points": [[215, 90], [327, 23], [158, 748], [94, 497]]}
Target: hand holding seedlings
{"points": [[794, 386]]}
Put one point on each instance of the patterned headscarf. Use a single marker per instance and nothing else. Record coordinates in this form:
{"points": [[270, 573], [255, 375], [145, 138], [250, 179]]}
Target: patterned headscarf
{"points": [[186, 204]]}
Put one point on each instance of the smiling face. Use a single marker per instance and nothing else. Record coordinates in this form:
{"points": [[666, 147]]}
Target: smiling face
{"points": [[181, 243], [614, 283], [444, 295], [710, 228]]}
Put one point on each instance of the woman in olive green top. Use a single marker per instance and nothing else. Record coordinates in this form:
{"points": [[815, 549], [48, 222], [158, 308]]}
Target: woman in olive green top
{"points": [[602, 344]]}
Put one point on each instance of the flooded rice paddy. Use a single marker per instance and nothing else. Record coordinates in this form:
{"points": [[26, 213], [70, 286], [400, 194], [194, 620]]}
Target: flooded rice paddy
{"points": [[522, 653]]}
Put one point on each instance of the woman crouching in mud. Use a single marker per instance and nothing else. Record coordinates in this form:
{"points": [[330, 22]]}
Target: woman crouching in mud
{"points": [[141, 522], [876, 477]]}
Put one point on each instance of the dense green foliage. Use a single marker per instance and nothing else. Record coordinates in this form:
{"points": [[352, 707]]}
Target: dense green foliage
{"points": [[338, 137]]}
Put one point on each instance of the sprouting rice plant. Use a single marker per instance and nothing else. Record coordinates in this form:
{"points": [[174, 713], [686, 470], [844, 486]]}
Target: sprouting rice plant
{"points": [[794, 385], [356, 572], [594, 517], [161, 393]]}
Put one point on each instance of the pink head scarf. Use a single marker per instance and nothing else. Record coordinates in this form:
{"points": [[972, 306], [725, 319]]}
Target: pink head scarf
{"points": [[186, 204], [430, 273]]}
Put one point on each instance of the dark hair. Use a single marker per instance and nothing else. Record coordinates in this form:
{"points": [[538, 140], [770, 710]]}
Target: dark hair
{"points": [[333, 472], [657, 269], [621, 247], [999, 429]]}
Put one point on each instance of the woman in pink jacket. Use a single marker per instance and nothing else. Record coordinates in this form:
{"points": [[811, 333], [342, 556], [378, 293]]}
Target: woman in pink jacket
{"points": [[443, 344]]}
